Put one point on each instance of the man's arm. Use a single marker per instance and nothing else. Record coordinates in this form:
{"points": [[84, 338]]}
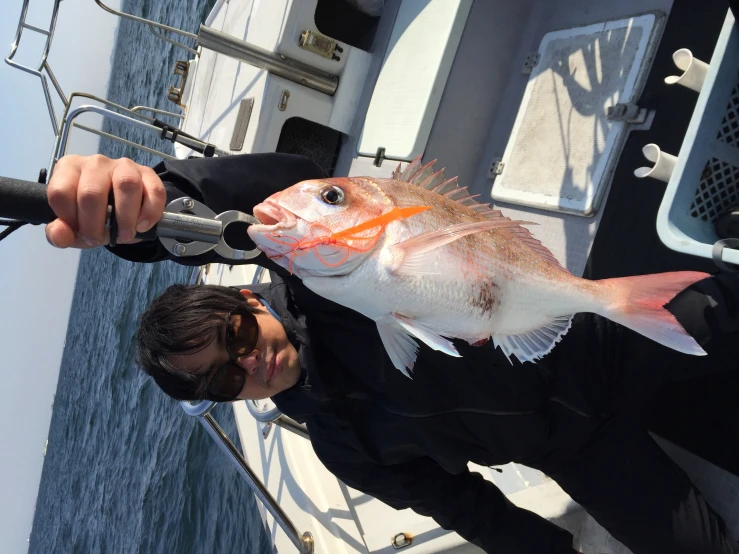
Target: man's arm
{"points": [[80, 186], [465, 502]]}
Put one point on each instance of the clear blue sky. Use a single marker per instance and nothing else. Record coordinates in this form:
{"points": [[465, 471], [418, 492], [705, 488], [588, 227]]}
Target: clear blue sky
{"points": [[36, 280]]}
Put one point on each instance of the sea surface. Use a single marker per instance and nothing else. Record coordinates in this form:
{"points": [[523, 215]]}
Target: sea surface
{"points": [[126, 470]]}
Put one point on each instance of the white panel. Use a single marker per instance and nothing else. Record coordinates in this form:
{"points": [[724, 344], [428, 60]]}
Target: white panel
{"points": [[412, 79], [563, 149]]}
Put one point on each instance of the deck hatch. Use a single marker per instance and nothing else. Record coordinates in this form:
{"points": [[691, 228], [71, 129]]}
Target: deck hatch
{"points": [[563, 149]]}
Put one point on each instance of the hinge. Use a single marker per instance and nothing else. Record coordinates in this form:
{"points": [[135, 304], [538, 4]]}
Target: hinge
{"points": [[628, 112], [379, 157], [496, 168], [531, 61]]}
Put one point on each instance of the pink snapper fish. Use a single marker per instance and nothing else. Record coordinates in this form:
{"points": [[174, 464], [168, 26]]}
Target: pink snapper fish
{"points": [[422, 258]]}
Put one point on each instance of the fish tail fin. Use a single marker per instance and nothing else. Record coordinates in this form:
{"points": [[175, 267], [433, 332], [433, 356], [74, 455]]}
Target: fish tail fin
{"points": [[638, 303]]}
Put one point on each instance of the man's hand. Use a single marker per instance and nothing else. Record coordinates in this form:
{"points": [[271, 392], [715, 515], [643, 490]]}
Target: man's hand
{"points": [[78, 194]]}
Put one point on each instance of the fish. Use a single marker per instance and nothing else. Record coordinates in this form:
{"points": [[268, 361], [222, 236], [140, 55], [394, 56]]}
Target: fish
{"points": [[428, 262]]}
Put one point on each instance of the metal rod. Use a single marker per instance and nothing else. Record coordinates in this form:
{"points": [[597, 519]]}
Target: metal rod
{"points": [[56, 84], [18, 32], [152, 28], [147, 22], [139, 109], [32, 28], [55, 153], [124, 141], [50, 36], [276, 64], [71, 116], [293, 426], [304, 542], [49, 105]]}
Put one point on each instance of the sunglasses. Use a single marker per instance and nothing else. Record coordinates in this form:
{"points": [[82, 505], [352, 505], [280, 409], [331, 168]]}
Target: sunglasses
{"points": [[242, 332]]}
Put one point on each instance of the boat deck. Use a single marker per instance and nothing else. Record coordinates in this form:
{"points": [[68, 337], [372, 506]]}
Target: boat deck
{"points": [[474, 121]]}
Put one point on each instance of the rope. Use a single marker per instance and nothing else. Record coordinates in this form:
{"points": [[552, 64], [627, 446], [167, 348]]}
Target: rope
{"points": [[11, 225]]}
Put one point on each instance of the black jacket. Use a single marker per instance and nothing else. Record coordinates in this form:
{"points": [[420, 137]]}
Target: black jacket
{"points": [[408, 442]]}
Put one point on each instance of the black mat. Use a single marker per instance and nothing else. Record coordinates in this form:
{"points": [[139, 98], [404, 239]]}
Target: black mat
{"points": [[699, 415]]}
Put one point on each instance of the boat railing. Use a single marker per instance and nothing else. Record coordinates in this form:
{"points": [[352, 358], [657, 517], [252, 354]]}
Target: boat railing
{"points": [[201, 410], [135, 116], [43, 64], [155, 28], [225, 44]]}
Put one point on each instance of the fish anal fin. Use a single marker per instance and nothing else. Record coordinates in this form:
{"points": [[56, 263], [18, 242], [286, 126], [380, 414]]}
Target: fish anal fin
{"points": [[535, 344], [432, 339], [398, 343], [415, 255]]}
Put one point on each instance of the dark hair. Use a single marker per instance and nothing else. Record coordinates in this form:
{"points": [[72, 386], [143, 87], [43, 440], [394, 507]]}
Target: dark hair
{"points": [[185, 319]]}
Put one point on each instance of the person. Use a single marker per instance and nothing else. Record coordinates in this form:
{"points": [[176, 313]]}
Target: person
{"points": [[578, 414]]}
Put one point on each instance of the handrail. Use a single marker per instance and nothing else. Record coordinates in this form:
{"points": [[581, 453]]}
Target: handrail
{"points": [[138, 109], [61, 143], [43, 64], [153, 24], [263, 416], [201, 410], [223, 43], [56, 150], [23, 25]]}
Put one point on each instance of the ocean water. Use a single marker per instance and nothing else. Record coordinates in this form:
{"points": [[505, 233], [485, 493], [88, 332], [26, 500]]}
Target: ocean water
{"points": [[126, 471]]}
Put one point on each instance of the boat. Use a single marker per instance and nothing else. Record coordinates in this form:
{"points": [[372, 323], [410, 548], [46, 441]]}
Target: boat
{"points": [[545, 108]]}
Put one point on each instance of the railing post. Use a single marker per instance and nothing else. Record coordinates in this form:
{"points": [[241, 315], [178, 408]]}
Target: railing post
{"points": [[201, 410]]}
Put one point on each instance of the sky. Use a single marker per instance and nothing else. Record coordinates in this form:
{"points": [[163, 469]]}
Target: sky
{"points": [[36, 280]]}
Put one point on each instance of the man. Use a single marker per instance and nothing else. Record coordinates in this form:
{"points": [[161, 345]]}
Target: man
{"points": [[577, 415]]}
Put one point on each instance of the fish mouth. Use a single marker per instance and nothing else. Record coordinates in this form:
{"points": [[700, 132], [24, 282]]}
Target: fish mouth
{"points": [[273, 216]]}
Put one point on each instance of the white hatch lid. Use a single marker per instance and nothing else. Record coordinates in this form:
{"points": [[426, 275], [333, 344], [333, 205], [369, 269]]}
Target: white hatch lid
{"points": [[563, 149], [406, 97]]}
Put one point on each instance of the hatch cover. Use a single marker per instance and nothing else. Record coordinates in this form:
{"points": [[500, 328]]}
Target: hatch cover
{"points": [[563, 149]]}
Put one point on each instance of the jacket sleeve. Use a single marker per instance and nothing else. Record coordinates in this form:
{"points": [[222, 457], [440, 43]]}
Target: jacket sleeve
{"points": [[464, 502], [709, 309], [224, 183]]}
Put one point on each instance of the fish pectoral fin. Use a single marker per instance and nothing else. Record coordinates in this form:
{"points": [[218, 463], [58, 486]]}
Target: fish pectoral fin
{"points": [[421, 332], [399, 345], [534, 344], [413, 256]]}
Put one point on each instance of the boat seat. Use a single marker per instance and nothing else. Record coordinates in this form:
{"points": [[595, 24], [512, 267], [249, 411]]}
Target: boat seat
{"points": [[414, 72]]}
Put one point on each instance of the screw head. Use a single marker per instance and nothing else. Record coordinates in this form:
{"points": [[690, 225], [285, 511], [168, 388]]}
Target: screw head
{"points": [[180, 249], [189, 203]]}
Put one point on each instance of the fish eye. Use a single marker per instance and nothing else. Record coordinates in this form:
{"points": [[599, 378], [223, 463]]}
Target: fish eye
{"points": [[332, 195]]}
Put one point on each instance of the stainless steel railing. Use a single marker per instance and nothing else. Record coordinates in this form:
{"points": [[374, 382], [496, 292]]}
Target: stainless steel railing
{"points": [[227, 45], [43, 64], [61, 126], [172, 134], [201, 410]]}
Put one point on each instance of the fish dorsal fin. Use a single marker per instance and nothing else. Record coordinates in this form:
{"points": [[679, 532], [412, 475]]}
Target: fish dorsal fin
{"points": [[424, 176], [531, 346]]}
